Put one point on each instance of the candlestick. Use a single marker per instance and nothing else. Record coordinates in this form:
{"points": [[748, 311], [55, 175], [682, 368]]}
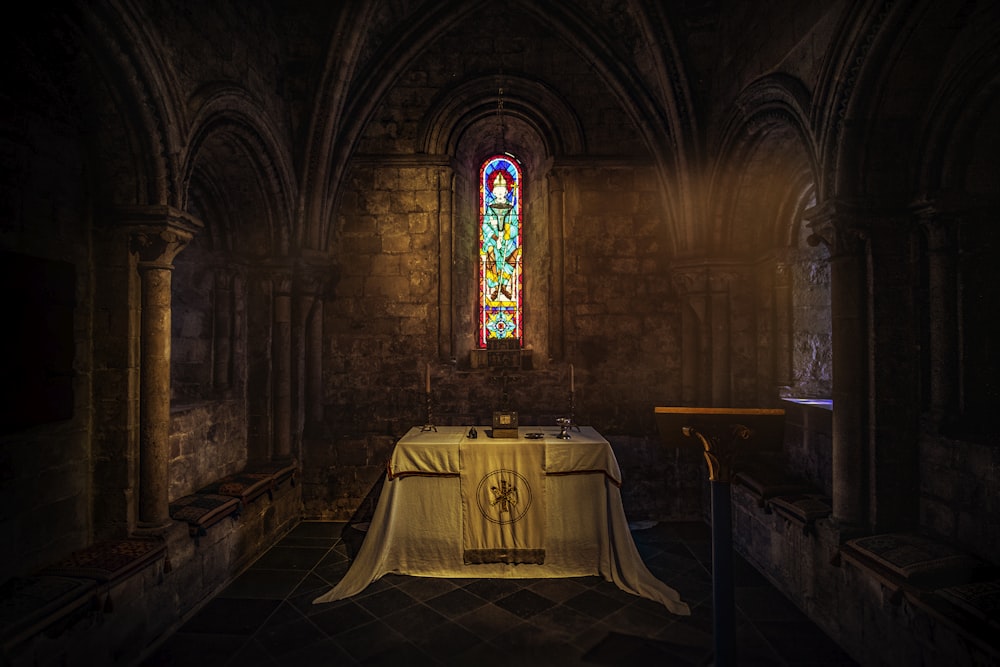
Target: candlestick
{"points": [[428, 376], [572, 379]]}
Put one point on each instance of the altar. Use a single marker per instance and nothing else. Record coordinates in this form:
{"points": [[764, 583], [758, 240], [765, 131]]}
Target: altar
{"points": [[418, 525]]}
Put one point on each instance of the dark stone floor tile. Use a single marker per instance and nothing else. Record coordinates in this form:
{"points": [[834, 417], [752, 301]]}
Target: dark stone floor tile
{"points": [[311, 583], [558, 590], [799, 643], [447, 639], [524, 603], [528, 644], [401, 655], [230, 616], [280, 639], [634, 620], [414, 620], [386, 602], [627, 650], [594, 603], [332, 572], [340, 617], [370, 639], [290, 558], [455, 603], [488, 621], [765, 603], [263, 584], [328, 652], [185, 648], [252, 654], [565, 620], [493, 589], [424, 588], [318, 529]]}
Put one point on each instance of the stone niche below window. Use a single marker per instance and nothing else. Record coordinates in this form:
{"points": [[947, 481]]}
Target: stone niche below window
{"points": [[479, 360]]}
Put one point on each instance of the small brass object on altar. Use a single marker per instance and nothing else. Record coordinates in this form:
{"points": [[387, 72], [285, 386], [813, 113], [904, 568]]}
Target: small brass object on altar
{"points": [[504, 424]]}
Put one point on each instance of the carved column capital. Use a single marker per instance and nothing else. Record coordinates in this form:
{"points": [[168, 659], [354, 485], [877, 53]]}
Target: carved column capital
{"points": [[158, 233], [939, 219], [839, 225]]}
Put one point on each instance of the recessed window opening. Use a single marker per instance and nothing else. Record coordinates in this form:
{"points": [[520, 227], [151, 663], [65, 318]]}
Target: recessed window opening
{"points": [[501, 310]]}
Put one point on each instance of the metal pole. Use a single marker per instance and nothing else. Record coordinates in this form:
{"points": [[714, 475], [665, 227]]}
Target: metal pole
{"points": [[722, 575]]}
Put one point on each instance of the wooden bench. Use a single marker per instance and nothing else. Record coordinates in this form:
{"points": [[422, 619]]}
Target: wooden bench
{"points": [[227, 497]]}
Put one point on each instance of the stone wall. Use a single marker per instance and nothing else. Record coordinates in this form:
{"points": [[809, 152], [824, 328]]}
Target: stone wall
{"points": [[382, 327], [144, 608], [45, 454], [960, 493], [207, 442]]}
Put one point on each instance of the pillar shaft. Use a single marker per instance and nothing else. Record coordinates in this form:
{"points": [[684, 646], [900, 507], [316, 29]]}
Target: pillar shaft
{"points": [[849, 315], [154, 402], [157, 235], [281, 355]]}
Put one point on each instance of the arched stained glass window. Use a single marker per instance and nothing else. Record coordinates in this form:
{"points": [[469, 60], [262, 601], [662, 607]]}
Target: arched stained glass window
{"points": [[500, 307]]}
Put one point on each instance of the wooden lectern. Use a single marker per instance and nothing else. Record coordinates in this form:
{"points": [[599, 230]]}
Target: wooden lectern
{"points": [[725, 435]]}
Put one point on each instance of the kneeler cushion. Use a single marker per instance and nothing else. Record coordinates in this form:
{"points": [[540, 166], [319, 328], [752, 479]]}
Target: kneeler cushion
{"points": [[980, 598], [202, 510], [915, 558], [31, 604], [110, 560], [242, 485], [278, 470], [802, 507]]}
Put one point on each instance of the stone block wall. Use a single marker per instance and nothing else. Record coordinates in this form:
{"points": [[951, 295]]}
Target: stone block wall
{"points": [[146, 607], [809, 440], [960, 493], [207, 441], [45, 462], [852, 606], [382, 327]]}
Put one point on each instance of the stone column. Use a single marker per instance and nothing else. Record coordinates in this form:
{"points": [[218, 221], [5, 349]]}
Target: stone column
{"points": [[259, 374], [691, 284], [281, 360], [223, 334], [445, 183], [940, 229], [784, 322], [307, 365], [894, 373], [719, 301], [158, 235], [557, 280], [834, 226], [314, 364]]}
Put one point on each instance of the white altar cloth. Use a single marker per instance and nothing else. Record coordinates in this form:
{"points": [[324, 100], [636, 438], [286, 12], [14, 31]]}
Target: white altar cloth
{"points": [[416, 529]]}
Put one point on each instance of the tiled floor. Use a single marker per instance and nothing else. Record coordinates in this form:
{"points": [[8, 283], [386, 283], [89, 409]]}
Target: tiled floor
{"points": [[266, 616]]}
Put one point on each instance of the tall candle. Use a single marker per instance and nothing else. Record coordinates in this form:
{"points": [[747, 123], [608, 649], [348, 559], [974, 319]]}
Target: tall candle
{"points": [[572, 383], [428, 376]]}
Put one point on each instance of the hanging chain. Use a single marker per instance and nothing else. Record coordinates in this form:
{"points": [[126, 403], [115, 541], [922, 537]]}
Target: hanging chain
{"points": [[500, 120]]}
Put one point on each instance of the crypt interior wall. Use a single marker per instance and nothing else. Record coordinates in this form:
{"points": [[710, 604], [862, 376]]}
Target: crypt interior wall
{"points": [[806, 211]]}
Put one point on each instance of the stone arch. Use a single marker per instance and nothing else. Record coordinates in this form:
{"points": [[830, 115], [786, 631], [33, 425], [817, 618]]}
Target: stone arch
{"points": [[474, 101], [332, 146], [956, 194], [767, 167], [257, 187], [142, 98], [958, 130], [764, 184]]}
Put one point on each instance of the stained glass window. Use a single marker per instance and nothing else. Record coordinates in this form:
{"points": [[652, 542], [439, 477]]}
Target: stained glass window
{"points": [[500, 308]]}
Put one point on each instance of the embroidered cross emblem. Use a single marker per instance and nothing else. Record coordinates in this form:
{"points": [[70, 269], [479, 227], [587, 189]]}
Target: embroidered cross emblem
{"points": [[505, 496]]}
